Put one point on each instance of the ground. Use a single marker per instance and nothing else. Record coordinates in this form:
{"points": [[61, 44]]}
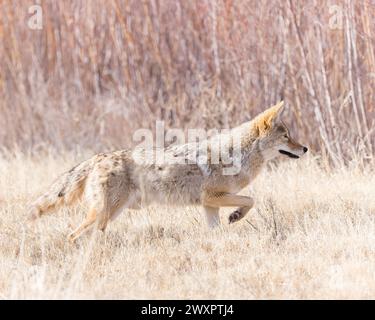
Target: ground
{"points": [[310, 235]]}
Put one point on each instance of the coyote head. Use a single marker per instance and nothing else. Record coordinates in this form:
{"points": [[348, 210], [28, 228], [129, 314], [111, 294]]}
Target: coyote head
{"points": [[274, 138]]}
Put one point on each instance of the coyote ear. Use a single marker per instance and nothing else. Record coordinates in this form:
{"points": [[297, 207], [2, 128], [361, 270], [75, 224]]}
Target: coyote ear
{"points": [[261, 126], [274, 113], [269, 117], [278, 111]]}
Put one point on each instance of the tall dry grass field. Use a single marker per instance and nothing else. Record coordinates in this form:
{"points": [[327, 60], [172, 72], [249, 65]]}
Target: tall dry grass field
{"points": [[97, 70], [311, 235]]}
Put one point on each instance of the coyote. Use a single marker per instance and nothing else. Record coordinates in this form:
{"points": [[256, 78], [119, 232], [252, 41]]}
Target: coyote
{"points": [[112, 181]]}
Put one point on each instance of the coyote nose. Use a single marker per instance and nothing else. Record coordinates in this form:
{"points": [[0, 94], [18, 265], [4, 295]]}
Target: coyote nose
{"points": [[305, 149]]}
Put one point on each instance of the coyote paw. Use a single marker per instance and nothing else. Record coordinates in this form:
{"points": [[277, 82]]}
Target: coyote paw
{"points": [[234, 216]]}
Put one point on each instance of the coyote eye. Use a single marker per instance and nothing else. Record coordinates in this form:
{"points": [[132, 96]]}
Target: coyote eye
{"points": [[285, 136]]}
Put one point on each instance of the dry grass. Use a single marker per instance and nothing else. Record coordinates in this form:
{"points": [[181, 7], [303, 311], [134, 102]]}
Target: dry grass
{"points": [[312, 235]]}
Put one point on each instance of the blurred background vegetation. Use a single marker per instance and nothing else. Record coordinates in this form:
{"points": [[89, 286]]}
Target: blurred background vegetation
{"points": [[100, 69]]}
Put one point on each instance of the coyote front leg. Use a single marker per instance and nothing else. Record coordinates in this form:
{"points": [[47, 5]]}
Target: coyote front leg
{"points": [[230, 200], [212, 216]]}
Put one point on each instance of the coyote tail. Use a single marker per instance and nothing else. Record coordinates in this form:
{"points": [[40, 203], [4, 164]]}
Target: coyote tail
{"points": [[66, 189]]}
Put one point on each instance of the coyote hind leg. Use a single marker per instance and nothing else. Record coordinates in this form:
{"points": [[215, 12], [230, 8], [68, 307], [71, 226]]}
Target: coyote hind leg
{"points": [[90, 219], [105, 209], [113, 211], [100, 217]]}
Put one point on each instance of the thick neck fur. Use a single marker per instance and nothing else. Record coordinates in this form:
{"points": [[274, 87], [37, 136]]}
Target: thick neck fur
{"points": [[252, 159]]}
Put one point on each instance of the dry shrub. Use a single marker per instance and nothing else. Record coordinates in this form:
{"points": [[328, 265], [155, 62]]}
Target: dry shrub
{"points": [[99, 69]]}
